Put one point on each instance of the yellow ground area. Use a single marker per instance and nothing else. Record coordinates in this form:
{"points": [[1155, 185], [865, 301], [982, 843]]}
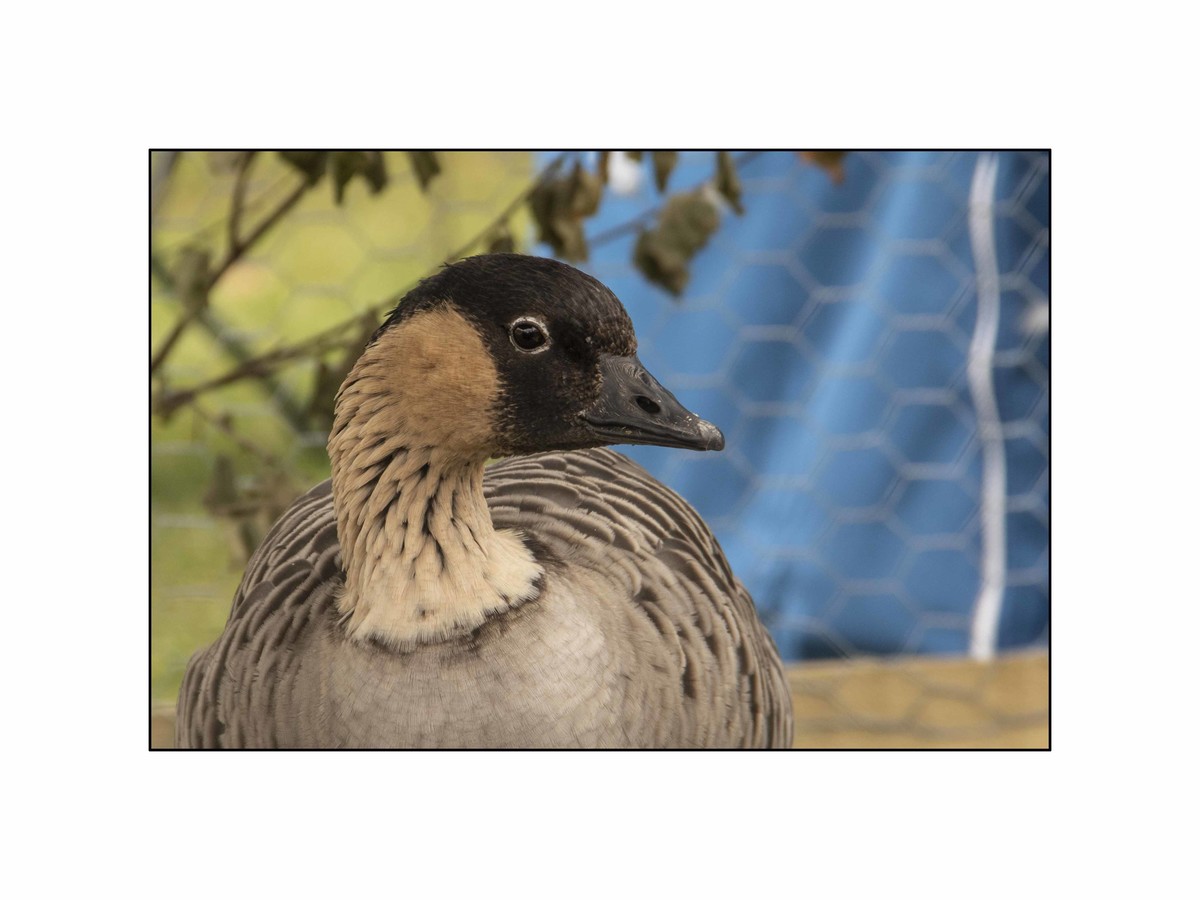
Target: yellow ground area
{"points": [[923, 702]]}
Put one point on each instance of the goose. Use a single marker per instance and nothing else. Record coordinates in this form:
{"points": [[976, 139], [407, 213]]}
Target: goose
{"points": [[560, 597]]}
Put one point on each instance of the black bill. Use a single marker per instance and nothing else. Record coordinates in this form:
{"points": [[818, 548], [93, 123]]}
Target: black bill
{"points": [[634, 408]]}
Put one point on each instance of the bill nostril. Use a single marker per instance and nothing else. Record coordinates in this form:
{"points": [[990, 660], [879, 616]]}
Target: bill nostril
{"points": [[648, 405]]}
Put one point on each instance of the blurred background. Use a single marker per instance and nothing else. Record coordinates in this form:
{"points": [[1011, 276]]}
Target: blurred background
{"points": [[869, 329]]}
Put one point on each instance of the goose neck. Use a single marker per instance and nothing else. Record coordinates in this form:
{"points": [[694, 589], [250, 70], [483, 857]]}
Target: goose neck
{"points": [[421, 556]]}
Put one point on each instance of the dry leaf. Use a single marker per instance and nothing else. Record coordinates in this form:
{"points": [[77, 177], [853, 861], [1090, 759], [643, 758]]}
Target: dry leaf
{"points": [[664, 163], [502, 240], [310, 163], [663, 254], [728, 183], [830, 160], [425, 166], [559, 207], [349, 164]]}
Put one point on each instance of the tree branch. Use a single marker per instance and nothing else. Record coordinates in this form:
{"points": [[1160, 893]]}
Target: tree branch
{"points": [[168, 345], [332, 338], [238, 247], [222, 424], [167, 402], [238, 250], [160, 176], [238, 201]]}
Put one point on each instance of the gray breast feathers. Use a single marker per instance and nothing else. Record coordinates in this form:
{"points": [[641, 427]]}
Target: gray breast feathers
{"points": [[641, 636]]}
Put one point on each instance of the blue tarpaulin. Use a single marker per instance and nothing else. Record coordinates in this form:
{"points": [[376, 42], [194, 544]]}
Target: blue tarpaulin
{"points": [[829, 331]]}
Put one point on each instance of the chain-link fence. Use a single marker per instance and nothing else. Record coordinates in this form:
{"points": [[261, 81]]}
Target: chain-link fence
{"points": [[872, 336]]}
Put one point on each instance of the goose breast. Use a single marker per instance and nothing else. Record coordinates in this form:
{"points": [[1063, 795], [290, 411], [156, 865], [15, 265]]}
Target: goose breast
{"points": [[641, 637]]}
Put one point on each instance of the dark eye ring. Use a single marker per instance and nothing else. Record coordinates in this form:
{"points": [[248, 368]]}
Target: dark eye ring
{"points": [[529, 335]]}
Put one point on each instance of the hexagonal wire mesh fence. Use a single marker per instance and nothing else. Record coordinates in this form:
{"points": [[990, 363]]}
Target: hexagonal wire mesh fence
{"points": [[875, 347]]}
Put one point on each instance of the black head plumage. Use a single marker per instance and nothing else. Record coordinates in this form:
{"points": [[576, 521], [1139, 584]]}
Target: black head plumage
{"points": [[495, 289]]}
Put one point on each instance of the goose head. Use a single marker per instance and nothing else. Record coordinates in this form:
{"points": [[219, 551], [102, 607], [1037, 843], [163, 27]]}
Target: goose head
{"points": [[507, 354]]}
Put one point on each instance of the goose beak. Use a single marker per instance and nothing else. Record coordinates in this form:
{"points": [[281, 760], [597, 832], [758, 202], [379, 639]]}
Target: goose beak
{"points": [[633, 408]]}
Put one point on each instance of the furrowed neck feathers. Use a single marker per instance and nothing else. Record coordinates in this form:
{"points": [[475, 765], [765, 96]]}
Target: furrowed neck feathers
{"points": [[412, 424]]}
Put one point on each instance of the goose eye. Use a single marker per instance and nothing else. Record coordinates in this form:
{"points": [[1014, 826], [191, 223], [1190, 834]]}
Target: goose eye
{"points": [[529, 335]]}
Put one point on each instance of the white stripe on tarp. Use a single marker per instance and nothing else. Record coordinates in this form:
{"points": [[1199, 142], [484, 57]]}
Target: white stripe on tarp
{"points": [[985, 621]]}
